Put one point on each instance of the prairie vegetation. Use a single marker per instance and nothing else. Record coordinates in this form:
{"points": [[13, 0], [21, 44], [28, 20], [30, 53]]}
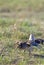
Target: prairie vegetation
{"points": [[19, 18]]}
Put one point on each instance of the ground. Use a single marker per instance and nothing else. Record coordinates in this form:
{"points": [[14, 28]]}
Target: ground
{"points": [[19, 18]]}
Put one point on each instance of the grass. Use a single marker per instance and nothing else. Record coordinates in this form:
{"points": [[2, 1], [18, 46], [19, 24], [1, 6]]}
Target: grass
{"points": [[19, 18], [19, 4], [9, 35]]}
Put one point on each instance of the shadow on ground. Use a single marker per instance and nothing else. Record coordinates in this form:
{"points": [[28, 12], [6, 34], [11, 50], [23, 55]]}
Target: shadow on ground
{"points": [[37, 55]]}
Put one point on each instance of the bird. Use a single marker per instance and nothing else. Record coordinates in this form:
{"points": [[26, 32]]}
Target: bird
{"points": [[28, 45], [31, 42], [35, 42], [23, 45], [39, 41]]}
